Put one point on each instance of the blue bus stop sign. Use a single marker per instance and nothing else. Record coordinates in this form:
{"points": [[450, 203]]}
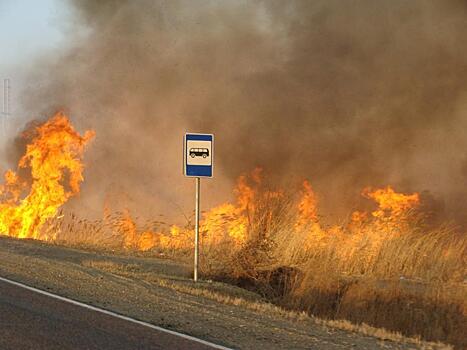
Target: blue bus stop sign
{"points": [[198, 155]]}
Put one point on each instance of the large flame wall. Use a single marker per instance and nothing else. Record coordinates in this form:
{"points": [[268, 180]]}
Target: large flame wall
{"points": [[54, 158]]}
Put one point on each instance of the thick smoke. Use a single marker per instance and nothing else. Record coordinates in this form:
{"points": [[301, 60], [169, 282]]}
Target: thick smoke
{"points": [[346, 93]]}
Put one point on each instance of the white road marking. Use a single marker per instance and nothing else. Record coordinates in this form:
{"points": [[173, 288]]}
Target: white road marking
{"points": [[110, 313]]}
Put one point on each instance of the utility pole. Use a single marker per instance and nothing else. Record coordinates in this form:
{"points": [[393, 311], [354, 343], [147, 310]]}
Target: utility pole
{"points": [[6, 105]]}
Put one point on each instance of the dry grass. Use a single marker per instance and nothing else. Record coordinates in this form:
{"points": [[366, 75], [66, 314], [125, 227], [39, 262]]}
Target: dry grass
{"points": [[382, 334], [392, 272], [240, 298]]}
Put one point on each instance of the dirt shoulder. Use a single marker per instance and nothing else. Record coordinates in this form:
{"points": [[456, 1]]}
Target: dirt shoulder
{"points": [[159, 291]]}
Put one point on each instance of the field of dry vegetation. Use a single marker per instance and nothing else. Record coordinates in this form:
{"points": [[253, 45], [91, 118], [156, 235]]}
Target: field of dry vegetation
{"points": [[389, 268]]}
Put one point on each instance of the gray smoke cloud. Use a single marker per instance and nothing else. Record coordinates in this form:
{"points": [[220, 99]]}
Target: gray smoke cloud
{"points": [[348, 94]]}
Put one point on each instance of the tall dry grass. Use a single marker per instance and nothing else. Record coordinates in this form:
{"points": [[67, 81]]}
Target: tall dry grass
{"points": [[392, 272], [117, 231]]}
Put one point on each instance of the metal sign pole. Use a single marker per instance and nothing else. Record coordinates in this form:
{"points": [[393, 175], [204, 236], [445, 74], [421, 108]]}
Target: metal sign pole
{"points": [[195, 274], [198, 156]]}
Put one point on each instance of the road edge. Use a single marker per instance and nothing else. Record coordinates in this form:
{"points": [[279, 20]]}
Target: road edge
{"points": [[114, 314]]}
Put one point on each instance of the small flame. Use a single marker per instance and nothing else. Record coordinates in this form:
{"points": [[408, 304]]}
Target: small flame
{"points": [[391, 203], [307, 206]]}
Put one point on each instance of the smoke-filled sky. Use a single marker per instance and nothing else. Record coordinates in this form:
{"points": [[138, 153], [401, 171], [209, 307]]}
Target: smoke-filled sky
{"points": [[348, 94]]}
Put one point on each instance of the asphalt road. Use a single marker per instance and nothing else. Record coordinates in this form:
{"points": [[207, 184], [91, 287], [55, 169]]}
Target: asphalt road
{"points": [[29, 320]]}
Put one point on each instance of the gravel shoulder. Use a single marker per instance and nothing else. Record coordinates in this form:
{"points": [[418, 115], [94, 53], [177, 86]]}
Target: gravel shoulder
{"points": [[159, 291]]}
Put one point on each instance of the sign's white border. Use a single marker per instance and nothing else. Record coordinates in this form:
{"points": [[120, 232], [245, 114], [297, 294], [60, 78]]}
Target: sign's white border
{"points": [[184, 154]]}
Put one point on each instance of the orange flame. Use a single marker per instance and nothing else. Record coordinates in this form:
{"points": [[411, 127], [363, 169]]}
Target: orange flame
{"points": [[307, 220], [54, 157], [133, 238], [226, 222], [307, 207], [391, 203]]}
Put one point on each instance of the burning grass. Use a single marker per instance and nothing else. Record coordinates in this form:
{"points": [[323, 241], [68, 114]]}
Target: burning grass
{"points": [[387, 267]]}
